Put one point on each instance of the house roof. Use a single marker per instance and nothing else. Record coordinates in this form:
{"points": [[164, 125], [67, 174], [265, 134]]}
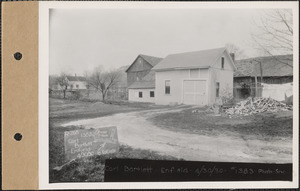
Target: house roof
{"points": [[150, 59], [146, 82], [76, 78], [196, 59], [271, 66]]}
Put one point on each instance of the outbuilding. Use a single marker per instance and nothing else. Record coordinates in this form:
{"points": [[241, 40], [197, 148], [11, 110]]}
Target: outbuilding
{"points": [[194, 78], [141, 79], [268, 76]]}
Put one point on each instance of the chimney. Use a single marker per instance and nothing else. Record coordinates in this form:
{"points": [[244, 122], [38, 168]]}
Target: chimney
{"points": [[75, 74], [232, 56]]}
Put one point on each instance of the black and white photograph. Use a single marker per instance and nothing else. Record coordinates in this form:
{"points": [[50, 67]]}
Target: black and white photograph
{"points": [[171, 85]]}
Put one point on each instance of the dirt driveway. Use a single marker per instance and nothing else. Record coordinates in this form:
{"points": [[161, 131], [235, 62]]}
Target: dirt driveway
{"points": [[136, 131]]}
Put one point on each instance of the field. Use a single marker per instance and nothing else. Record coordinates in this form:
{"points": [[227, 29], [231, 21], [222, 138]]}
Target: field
{"points": [[147, 131]]}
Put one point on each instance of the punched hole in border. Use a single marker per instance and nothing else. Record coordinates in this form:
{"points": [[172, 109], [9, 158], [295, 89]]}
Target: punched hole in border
{"points": [[18, 55], [18, 136]]}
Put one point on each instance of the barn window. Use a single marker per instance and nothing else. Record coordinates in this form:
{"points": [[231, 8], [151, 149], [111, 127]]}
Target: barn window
{"points": [[167, 87], [151, 93], [222, 62], [140, 94], [217, 89]]}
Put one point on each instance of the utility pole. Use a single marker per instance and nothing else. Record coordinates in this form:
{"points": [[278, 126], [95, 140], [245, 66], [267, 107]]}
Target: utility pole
{"points": [[261, 71], [261, 76], [255, 85]]}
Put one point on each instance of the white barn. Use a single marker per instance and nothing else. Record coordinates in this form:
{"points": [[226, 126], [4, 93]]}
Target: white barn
{"points": [[194, 78]]}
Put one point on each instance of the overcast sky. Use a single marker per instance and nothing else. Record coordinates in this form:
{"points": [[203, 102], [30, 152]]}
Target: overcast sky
{"points": [[83, 39]]}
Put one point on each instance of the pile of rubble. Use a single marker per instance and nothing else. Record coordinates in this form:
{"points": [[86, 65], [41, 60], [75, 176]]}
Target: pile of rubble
{"points": [[257, 105]]}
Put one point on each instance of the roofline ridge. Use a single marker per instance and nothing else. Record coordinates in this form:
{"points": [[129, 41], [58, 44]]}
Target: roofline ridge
{"points": [[265, 57], [149, 56], [198, 51]]}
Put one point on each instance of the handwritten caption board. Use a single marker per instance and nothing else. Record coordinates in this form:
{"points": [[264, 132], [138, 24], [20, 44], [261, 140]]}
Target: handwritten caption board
{"points": [[90, 142], [139, 170]]}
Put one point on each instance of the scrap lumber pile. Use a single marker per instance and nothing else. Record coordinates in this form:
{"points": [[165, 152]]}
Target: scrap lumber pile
{"points": [[252, 106]]}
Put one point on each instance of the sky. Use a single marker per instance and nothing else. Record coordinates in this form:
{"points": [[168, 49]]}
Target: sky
{"points": [[83, 39]]}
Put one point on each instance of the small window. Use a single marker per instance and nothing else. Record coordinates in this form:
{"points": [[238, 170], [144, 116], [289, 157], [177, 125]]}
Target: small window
{"points": [[217, 89], [140, 94], [71, 86], [140, 60], [151, 93], [222, 63], [167, 87], [77, 86]]}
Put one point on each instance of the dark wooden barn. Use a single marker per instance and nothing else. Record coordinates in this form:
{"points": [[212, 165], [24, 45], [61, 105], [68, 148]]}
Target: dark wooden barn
{"points": [[252, 73]]}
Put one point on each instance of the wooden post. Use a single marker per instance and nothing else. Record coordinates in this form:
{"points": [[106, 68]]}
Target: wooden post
{"points": [[261, 73], [255, 85], [261, 79]]}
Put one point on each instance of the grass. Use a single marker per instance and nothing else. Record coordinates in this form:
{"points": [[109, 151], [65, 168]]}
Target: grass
{"points": [[63, 110], [89, 169], [261, 126]]}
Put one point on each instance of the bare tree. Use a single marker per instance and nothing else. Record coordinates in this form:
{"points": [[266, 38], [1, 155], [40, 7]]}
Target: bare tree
{"points": [[238, 53], [275, 34], [103, 81], [63, 82]]}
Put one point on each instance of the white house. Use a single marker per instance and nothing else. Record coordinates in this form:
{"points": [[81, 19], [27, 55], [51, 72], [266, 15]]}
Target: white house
{"points": [[74, 83], [77, 82], [194, 78]]}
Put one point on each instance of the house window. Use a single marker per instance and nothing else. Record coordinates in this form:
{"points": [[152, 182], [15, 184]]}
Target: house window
{"points": [[140, 94], [71, 86], [222, 62], [167, 87], [217, 89], [151, 93], [77, 86]]}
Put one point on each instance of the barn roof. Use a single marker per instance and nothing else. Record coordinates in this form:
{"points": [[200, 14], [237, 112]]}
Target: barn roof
{"points": [[76, 78], [271, 66], [142, 85], [150, 59], [146, 82], [196, 59]]}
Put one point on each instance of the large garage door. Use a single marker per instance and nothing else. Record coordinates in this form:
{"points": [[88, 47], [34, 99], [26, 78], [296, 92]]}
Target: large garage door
{"points": [[194, 92]]}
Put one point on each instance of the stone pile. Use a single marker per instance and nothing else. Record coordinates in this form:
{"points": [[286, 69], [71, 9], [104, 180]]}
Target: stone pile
{"points": [[252, 106]]}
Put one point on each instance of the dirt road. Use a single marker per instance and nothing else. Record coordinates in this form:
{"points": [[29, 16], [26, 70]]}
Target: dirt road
{"points": [[136, 131]]}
